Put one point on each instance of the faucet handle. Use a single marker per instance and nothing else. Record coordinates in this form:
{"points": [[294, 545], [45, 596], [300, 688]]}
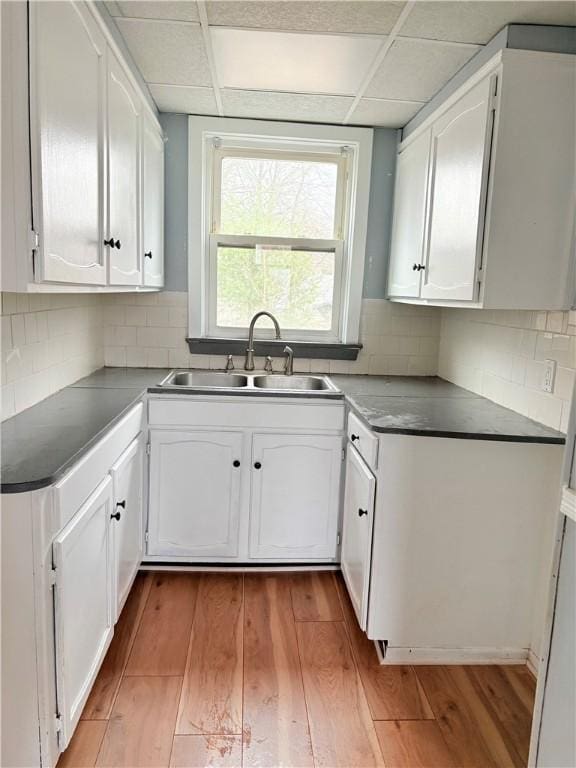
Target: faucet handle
{"points": [[229, 363], [268, 364], [289, 361]]}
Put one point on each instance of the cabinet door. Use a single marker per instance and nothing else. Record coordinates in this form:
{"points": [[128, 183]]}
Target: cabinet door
{"points": [[461, 141], [123, 176], [153, 202], [408, 229], [83, 605], [67, 75], [127, 527], [356, 553], [295, 496], [194, 505]]}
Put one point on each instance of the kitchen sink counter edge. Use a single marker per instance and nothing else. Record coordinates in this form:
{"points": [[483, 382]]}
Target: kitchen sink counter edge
{"points": [[40, 444]]}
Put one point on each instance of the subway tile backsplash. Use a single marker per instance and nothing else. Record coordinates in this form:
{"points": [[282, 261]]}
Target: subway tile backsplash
{"points": [[502, 354], [51, 340], [48, 342], [150, 330]]}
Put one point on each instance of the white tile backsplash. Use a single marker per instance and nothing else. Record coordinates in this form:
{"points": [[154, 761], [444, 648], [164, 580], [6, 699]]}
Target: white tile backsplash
{"points": [[501, 355], [397, 338], [48, 342], [51, 340]]}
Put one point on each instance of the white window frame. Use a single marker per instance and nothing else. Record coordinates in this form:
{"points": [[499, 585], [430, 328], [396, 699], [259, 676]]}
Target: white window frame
{"points": [[210, 139]]}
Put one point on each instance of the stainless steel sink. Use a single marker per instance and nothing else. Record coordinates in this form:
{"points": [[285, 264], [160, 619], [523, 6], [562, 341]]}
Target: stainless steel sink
{"points": [[249, 382], [294, 383], [207, 379]]}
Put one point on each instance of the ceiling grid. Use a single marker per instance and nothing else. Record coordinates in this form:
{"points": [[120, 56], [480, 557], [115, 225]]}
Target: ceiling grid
{"points": [[359, 62]]}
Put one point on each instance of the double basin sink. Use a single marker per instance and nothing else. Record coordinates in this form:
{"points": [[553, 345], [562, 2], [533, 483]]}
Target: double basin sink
{"points": [[247, 381]]}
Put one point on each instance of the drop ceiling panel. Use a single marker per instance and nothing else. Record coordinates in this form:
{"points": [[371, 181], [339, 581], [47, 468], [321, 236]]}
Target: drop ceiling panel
{"points": [[389, 114], [294, 62], [179, 10], [415, 70], [184, 99], [297, 107], [167, 52], [477, 22], [351, 16]]}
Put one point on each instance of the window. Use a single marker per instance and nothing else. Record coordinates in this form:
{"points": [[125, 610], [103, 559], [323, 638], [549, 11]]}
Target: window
{"points": [[276, 231]]}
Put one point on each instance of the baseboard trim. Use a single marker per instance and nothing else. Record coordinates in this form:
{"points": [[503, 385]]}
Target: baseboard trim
{"points": [[451, 655], [533, 663], [237, 567]]}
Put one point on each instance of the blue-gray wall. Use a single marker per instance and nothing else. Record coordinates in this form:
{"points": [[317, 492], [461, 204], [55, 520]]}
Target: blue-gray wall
{"points": [[176, 221], [175, 129], [380, 213]]}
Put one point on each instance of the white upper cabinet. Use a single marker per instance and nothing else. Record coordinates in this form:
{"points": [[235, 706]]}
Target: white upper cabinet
{"points": [[124, 112], [295, 496], [67, 63], [152, 203], [89, 136], [494, 199], [459, 169], [408, 229]]}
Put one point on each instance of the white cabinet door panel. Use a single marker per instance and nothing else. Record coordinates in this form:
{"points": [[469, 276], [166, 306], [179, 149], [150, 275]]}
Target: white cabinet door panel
{"points": [[461, 140], [127, 529], [194, 506], [356, 556], [408, 229], [67, 130], [123, 176], [83, 603], [153, 203], [295, 496]]}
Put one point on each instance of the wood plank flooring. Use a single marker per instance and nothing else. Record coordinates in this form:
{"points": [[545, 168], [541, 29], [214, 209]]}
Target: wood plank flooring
{"points": [[272, 671]]}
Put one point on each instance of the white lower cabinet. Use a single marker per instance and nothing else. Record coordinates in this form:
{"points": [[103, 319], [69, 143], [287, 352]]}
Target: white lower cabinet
{"points": [[295, 496], [83, 611], [194, 493], [444, 543], [357, 526], [127, 521], [265, 488]]}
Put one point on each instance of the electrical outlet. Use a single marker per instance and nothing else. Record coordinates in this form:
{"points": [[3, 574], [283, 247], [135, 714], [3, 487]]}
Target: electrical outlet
{"points": [[549, 376]]}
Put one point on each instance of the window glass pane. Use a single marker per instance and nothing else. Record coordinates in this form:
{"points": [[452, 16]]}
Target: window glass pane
{"points": [[296, 286], [283, 198]]}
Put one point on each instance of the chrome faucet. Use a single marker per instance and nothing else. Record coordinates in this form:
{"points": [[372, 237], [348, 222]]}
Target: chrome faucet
{"points": [[289, 361], [249, 359]]}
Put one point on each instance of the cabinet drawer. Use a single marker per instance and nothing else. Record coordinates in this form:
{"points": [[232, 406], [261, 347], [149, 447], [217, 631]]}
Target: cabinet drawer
{"points": [[71, 491], [241, 413], [364, 440]]}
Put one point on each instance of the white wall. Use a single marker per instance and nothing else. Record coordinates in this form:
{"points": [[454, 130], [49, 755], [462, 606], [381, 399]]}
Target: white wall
{"points": [[501, 354], [150, 329], [48, 342]]}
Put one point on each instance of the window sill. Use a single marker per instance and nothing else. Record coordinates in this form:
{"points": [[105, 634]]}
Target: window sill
{"points": [[263, 347]]}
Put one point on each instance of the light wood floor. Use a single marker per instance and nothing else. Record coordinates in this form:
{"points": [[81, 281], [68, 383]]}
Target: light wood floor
{"points": [[272, 670]]}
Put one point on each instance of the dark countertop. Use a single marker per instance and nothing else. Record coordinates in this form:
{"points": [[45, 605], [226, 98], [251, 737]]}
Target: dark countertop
{"points": [[42, 442], [433, 407]]}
